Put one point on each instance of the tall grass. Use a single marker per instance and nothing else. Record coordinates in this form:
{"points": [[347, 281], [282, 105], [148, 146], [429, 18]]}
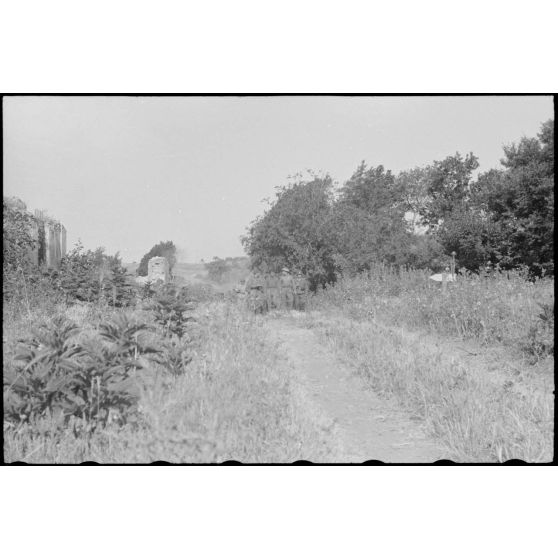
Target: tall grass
{"points": [[386, 326], [476, 419], [234, 400], [501, 308]]}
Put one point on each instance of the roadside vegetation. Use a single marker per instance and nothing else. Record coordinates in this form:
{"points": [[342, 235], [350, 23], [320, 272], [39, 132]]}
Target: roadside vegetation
{"points": [[475, 363], [415, 218], [493, 308], [473, 360], [97, 368], [116, 388]]}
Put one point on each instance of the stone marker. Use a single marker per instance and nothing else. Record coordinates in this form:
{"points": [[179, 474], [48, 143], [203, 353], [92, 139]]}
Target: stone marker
{"points": [[158, 269]]}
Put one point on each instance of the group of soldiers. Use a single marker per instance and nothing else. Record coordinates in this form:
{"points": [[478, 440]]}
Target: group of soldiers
{"points": [[269, 291]]}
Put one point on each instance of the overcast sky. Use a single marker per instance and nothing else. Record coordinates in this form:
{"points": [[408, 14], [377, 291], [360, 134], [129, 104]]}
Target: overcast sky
{"points": [[128, 172]]}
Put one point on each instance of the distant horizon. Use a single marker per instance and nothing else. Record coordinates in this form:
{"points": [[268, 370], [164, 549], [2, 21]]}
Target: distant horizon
{"points": [[126, 173], [183, 262]]}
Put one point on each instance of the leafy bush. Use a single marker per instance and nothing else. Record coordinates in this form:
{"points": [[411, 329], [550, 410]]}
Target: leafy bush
{"points": [[147, 291], [16, 235], [39, 380], [56, 373], [120, 291], [93, 276], [172, 309], [17, 244], [80, 276]]}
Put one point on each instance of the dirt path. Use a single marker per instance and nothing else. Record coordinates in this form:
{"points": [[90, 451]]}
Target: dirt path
{"points": [[369, 428]]}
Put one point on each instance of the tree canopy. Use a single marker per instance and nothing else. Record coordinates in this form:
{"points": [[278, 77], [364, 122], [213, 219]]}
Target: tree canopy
{"points": [[295, 231], [504, 215]]}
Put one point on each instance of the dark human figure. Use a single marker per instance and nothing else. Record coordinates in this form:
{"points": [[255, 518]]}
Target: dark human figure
{"points": [[256, 299], [287, 289]]}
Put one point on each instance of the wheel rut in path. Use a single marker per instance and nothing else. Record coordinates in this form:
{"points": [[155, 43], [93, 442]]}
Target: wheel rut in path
{"points": [[369, 428]]}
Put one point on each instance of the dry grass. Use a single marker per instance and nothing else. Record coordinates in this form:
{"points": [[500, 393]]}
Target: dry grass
{"points": [[411, 342], [235, 401], [501, 309]]}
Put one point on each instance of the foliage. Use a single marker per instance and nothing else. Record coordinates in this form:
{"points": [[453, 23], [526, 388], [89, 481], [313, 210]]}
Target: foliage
{"points": [[234, 400], [54, 372], [93, 276], [162, 249], [80, 276], [17, 238], [147, 291], [373, 190], [424, 251], [294, 231], [449, 187], [474, 237], [520, 201], [413, 186], [44, 364], [120, 291], [17, 244], [172, 309], [361, 239], [368, 222], [504, 216]]}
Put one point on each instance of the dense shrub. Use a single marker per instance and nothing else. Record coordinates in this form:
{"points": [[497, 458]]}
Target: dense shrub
{"points": [[91, 276], [172, 307], [69, 371], [56, 372]]}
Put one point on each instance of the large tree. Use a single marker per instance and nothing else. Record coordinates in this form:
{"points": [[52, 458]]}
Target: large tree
{"points": [[413, 185], [295, 232], [368, 220], [520, 201], [449, 188]]}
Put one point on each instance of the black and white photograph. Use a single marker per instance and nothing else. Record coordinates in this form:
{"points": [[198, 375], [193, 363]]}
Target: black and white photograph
{"points": [[278, 278], [273, 279]]}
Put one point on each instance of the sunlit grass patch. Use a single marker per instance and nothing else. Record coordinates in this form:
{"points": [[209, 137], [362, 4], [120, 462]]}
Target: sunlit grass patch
{"points": [[476, 418], [233, 400]]}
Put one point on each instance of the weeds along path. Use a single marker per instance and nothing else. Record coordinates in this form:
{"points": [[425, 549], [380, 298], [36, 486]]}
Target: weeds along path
{"points": [[367, 427]]}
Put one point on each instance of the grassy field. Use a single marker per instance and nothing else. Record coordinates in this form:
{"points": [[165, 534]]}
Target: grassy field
{"points": [[476, 363], [234, 401]]}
